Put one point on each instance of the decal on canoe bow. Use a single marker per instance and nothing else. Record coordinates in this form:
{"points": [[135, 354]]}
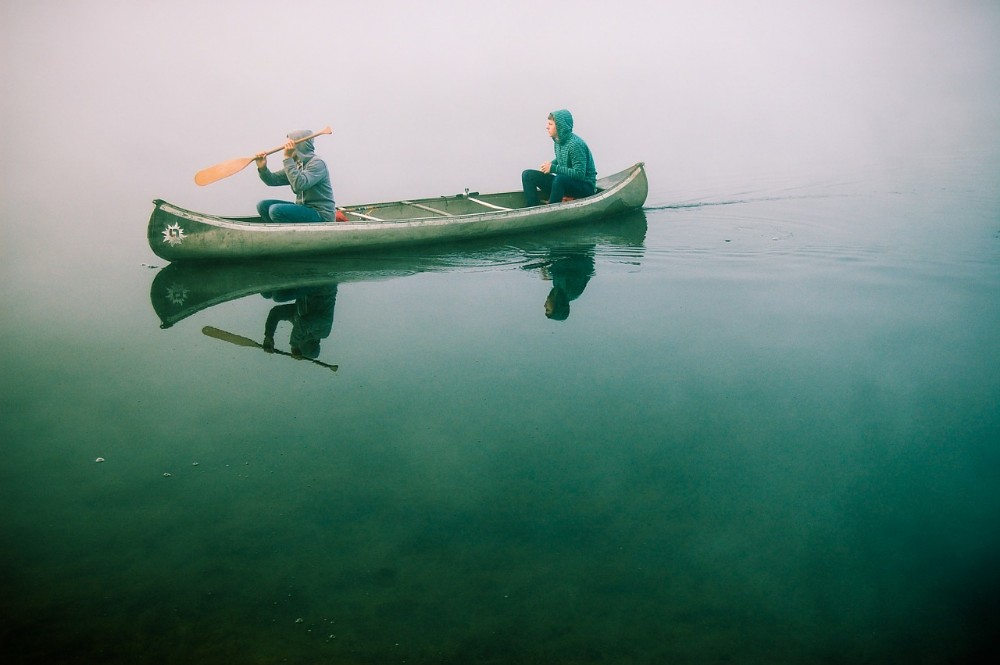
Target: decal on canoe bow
{"points": [[173, 234]]}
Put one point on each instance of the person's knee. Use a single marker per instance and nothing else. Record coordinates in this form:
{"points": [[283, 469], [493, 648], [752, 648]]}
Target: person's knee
{"points": [[277, 212]]}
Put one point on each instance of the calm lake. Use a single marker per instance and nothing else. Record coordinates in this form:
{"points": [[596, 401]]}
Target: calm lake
{"points": [[763, 427]]}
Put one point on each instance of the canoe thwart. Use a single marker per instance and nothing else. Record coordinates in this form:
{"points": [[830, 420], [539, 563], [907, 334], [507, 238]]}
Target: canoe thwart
{"points": [[428, 208], [361, 215], [484, 203]]}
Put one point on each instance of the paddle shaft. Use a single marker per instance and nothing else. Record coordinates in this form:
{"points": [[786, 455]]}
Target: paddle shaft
{"points": [[240, 340], [234, 166], [325, 130]]}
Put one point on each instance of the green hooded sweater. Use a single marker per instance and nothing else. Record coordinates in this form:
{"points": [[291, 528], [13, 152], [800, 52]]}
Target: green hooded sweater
{"points": [[573, 158]]}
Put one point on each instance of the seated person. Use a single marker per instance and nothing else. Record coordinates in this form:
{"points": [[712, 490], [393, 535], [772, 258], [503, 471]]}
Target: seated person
{"points": [[309, 179], [571, 174]]}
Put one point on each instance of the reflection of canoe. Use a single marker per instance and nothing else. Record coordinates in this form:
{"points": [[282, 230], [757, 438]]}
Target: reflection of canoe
{"points": [[182, 289], [177, 234]]}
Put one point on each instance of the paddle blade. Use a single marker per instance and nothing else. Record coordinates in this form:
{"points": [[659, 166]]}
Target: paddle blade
{"points": [[220, 171], [229, 337]]}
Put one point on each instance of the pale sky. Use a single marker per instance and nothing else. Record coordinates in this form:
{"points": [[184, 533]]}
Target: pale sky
{"points": [[428, 98]]}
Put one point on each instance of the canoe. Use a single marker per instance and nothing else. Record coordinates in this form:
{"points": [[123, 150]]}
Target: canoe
{"points": [[182, 289], [176, 234]]}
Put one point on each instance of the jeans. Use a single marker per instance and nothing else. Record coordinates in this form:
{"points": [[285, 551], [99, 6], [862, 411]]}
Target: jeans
{"points": [[554, 187], [273, 210]]}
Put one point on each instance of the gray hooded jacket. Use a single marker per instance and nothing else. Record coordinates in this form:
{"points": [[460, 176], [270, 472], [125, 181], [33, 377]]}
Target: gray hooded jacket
{"points": [[308, 177]]}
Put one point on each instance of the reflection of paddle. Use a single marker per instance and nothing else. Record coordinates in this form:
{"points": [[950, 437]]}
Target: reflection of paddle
{"points": [[226, 169], [239, 340]]}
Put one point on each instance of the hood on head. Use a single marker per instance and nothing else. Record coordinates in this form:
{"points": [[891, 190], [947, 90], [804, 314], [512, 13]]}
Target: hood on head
{"points": [[304, 149], [564, 123]]}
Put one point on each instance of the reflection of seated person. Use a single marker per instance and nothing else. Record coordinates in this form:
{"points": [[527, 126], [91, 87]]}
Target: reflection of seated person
{"points": [[569, 275], [311, 316]]}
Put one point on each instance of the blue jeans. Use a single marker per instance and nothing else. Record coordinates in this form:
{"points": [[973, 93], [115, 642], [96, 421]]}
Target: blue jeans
{"points": [[554, 187], [273, 210]]}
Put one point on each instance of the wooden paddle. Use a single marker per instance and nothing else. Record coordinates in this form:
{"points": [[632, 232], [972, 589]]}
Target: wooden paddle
{"points": [[226, 169], [239, 340]]}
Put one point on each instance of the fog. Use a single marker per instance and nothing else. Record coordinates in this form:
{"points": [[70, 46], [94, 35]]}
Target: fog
{"points": [[113, 103]]}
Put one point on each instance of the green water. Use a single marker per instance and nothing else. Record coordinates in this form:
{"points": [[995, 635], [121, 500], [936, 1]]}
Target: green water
{"points": [[765, 433]]}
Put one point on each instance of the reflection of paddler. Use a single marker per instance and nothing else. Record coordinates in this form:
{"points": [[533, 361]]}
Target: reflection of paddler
{"points": [[569, 275], [311, 316]]}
